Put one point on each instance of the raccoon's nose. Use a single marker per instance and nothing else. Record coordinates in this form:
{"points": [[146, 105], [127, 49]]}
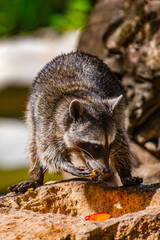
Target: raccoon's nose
{"points": [[106, 170]]}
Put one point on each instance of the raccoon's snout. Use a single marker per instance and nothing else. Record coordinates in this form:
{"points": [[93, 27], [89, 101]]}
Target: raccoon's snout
{"points": [[96, 164], [106, 171]]}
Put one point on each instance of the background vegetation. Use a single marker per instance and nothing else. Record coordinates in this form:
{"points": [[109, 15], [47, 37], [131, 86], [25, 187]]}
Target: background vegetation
{"points": [[20, 16]]}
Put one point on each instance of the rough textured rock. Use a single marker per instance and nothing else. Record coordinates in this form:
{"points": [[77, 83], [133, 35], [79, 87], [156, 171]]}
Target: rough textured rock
{"points": [[25, 224], [126, 35], [79, 197], [57, 209], [147, 166]]}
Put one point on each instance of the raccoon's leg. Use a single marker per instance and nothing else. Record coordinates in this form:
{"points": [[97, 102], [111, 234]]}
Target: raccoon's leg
{"points": [[36, 171], [120, 158]]}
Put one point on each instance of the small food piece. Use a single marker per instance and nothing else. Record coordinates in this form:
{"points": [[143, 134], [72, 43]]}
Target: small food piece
{"points": [[96, 176], [30, 189], [101, 216]]}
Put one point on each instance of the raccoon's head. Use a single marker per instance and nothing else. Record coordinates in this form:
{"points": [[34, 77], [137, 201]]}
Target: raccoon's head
{"points": [[90, 131]]}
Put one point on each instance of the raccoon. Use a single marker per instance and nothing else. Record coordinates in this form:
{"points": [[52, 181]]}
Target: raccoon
{"points": [[76, 108]]}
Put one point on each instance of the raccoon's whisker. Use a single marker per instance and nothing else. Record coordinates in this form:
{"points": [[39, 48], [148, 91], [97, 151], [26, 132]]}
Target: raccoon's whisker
{"points": [[84, 151]]}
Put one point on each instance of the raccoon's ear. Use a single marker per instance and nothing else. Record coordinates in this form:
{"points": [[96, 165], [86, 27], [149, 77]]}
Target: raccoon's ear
{"points": [[76, 109], [112, 103]]}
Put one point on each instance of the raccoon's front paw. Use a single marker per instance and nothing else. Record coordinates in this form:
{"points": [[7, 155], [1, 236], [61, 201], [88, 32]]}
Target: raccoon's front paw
{"points": [[24, 186], [132, 181], [83, 172]]}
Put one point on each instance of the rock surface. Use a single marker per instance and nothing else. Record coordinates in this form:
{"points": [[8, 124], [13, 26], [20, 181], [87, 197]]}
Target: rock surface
{"points": [[126, 35], [25, 224], [147, 166], [57, 209]]}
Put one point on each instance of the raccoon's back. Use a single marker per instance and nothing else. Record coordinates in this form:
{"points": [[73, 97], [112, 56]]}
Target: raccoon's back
{"points": [[77, 67], [75, 75]]}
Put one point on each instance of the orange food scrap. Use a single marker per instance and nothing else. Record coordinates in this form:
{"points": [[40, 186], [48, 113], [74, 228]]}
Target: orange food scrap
{"points": [[101, 216], [30, 189]]}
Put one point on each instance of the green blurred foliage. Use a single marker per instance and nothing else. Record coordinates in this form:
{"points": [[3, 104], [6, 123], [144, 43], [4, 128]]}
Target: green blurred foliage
{"points": [[19, 16], [75, 15]]}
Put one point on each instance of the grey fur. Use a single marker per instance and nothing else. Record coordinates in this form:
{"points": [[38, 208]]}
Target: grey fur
{"points": [[76, 104]]}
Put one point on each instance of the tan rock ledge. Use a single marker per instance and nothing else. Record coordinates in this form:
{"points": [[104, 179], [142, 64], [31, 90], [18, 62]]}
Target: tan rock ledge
{"points": [[72, 200], [81, 197]]}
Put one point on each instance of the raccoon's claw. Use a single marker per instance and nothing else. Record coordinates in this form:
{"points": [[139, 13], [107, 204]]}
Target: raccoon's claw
{"points": [[80, 168], [132, 181], [23, 186], [84, 172]]}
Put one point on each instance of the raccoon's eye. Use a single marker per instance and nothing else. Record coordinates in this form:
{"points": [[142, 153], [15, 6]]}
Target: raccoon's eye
{"points": [[95, 148]]}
